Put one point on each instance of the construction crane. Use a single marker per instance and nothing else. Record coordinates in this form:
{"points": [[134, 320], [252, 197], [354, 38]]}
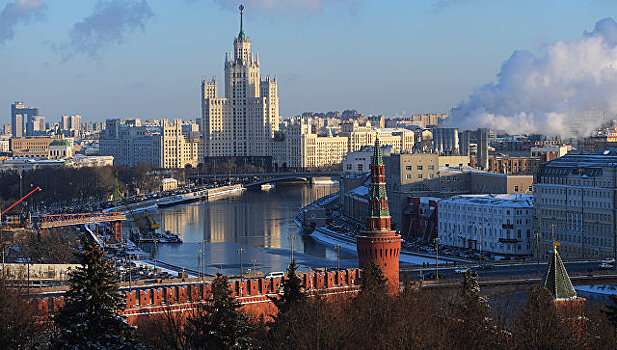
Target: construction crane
{"points": [[21, 199]]}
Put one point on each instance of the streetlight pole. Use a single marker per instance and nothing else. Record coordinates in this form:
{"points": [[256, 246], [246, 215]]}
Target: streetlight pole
{"points": [[480, 233], [338, 250], [155, 241], [253, 260], [199, 262], [241, 251], [291, 238], [436, 258], [202, 243]]}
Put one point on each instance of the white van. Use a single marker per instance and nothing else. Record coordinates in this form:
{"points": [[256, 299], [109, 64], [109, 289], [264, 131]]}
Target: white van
{"points": [[275, 275]]}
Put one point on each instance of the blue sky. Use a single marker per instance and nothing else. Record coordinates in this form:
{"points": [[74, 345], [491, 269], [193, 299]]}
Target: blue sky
{"points": [[389, 57]]}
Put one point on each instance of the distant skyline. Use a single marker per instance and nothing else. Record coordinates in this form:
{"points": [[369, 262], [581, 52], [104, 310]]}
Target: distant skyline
{"points": [[145, 58]]}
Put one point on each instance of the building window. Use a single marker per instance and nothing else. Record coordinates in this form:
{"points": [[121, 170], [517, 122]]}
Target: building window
{"points": [[419, 176], [431, 167], [515, 188], [348, 166], [360, 167], [408, 168], [408, 176], [530, 189], [419, 167]]}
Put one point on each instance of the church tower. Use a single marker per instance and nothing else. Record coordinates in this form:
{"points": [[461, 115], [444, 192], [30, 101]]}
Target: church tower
{"points": [[378, 243]]}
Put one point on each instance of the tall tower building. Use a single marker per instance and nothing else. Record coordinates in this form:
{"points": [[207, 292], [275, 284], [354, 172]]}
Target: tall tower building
{"points": [[20, 117], [483, 148], [379, 243], [244, 121]]}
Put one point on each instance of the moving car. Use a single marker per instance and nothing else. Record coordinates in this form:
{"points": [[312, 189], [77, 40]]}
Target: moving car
{"points": [[605, 266], [486, 266], [275, 275]]}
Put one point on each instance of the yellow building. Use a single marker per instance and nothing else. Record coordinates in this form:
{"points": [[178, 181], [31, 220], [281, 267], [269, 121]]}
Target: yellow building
{"points": [[177, 151], [30, 147]]}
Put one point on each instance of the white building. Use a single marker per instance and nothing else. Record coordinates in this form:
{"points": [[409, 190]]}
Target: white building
{"points": [[358, 162], [244, 121], [499, 224]]}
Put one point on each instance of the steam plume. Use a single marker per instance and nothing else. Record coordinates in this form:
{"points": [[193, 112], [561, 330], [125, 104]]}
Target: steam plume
{"points": [[570, 89]]}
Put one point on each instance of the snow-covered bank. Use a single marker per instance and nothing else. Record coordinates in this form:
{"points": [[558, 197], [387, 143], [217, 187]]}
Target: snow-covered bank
{"points": [[330, 237]]}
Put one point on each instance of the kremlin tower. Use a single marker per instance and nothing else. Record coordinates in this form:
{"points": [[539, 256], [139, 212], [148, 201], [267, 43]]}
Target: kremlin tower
{"points": [[379, 244]]}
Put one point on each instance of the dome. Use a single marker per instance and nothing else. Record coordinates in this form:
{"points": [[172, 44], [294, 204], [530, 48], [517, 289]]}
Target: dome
{"points": [[63, 143]]}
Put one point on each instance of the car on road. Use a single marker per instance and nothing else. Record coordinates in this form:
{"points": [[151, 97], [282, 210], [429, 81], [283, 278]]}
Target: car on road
{"points": [[605, 266], [461, 270], [609, 261], [486, 266], [275, 275]]}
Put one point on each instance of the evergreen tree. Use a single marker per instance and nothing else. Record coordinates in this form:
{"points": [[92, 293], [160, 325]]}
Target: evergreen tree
{"points": [[470, 291], [90, 316], [472, 322], [218, 324], [373, 280], [292, 290]]}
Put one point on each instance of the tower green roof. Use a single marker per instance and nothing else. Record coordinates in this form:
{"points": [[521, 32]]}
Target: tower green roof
{"points": [[557, 280], [377, 158], [60, 142]]}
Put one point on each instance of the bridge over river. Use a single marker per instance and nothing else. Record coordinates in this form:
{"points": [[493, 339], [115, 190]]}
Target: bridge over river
{"points": [[264, 178]]}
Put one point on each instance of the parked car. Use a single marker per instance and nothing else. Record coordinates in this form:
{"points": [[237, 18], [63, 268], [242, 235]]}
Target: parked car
{"points": [[610, 261], [461, 270], [486, 266]]}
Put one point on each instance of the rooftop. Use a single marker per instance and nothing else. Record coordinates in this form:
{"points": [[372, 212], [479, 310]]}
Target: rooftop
{"points": [[604, 158], [468, 169], [495, 200]]}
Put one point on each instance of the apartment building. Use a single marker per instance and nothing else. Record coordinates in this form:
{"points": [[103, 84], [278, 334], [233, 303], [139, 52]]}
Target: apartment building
{"points": [[575, 204], [494, 224]]}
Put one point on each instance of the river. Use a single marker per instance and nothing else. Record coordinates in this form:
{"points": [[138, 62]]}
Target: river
{"points": [[259, 222]]}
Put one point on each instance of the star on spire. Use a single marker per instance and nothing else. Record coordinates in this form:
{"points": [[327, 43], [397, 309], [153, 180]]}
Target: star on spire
{"points": [[241, 35]]}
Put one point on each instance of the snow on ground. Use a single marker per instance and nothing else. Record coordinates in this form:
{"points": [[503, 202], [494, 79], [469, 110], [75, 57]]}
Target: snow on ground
{"points": [[150, 264], [350, 244], [606, 289]]}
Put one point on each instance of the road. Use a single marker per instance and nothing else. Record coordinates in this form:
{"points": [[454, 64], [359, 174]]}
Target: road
{"points": [[503, 270]]}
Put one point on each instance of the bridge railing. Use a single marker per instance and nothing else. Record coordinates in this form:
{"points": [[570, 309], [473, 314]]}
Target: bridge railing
{"points": [[59, 220]]}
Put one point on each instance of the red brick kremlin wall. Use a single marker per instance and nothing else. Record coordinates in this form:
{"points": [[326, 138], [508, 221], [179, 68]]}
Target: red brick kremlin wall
{"points": [[253, 294]]}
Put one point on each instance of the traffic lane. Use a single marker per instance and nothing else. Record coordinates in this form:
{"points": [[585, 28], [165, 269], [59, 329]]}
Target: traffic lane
{"points": [[516, 269]]}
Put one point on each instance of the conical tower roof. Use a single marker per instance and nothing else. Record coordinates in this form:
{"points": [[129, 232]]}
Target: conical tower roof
{"points": [[557, 280], [377, 157]]}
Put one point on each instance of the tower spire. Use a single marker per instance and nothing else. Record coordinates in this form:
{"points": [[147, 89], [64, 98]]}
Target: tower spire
{"points": [[241, 35], [379, 244]]}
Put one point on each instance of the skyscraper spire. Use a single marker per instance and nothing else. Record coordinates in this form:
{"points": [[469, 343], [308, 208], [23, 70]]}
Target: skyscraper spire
{"points": [[241, 35]]}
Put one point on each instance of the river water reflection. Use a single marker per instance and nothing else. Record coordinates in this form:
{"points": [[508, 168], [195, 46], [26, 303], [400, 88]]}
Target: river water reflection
{"points": [[259, 222]]}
